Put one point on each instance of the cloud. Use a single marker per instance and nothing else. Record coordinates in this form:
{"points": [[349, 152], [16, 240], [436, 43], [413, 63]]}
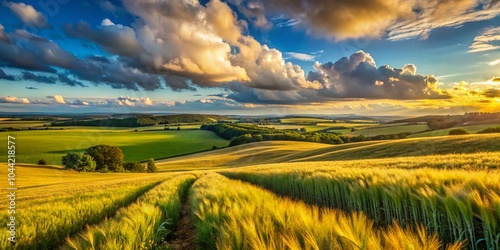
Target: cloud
{"points": [[128, 101], [27, 13], [190, 44], [28, 76], [492, 93], [6, 76], [359, 77], [31, 88], [79, 103], [58, 99], [108, 6], [68, 81], [394, 19], [301, 56], [13, 99], [431, 14], [495, 62], [116, 39], [354, 77], [3, 36], [342, 19], [485, 41], [27, 51]]}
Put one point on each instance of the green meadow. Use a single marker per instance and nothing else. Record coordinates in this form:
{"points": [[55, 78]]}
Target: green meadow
{"points": [[51, 145]]}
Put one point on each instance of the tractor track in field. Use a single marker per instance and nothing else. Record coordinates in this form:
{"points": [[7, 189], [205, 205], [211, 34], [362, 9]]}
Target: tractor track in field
{"points": [[184, 237]]}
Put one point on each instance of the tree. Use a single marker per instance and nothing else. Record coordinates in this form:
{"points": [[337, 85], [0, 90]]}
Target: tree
{"points": [[151, 166], [457, 131], [302, 130], [107, 158], [79, 161], [134, 167], [42, 162], [178, 128]]}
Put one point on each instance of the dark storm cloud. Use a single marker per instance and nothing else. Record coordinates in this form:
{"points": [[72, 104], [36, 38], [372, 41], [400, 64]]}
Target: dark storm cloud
{"points": [[116, 39], [28, 76], [68, 81], [27, 51], [177, 83], [6, 76]]}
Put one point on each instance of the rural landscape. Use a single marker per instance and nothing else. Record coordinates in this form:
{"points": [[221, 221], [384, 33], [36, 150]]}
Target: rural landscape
{"points": [[250, 124], [222, 182]]}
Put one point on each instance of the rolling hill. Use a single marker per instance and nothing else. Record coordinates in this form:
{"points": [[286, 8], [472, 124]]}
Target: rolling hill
{"points": [[289, 151]]}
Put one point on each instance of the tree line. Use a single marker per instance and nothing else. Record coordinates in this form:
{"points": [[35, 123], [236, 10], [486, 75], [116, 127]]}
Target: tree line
{"points": [[243, 133], [143, 120]]}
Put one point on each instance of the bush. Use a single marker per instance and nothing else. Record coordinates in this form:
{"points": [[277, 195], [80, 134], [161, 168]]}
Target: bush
{"points": [[107, 158], [489, 130], [151, 166], [136, 167], [79, 161], [214, 147], [42, 162], [458, 131]]}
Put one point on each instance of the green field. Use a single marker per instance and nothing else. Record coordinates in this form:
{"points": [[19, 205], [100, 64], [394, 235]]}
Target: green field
{"points": [[303, 120], [329, 126], [22, 124], [51, 145], [391, 129], [470, 129]]}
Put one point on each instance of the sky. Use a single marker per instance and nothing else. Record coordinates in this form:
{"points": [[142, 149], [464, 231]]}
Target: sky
{"points": [[250, 57]]}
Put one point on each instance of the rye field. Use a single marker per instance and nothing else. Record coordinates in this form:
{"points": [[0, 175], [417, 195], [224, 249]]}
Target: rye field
{"points": [[421, 193]]}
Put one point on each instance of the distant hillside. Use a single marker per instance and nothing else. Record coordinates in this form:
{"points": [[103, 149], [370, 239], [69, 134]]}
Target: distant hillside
{"points": [[145, 120], [471, 117]]}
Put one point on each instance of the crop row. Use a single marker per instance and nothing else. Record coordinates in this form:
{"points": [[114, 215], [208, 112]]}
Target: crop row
{"points": [[46, 219], [458, 205], [143, 225], [231, 214]]}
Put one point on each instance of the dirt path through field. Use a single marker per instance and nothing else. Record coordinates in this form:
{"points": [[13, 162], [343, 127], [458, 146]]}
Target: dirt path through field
{"points": [[184, 234]]}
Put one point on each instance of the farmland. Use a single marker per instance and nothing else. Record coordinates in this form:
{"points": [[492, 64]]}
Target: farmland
{"points": [[385, 130], [419, 193], [51, 145]]}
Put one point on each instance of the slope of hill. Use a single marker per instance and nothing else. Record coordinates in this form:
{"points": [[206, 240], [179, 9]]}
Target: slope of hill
{"points": [[288, 151]]}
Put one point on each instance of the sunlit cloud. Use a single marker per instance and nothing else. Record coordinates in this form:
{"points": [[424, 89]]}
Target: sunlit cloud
{"points": [[485, 40], [301, 56], [495, 62]]}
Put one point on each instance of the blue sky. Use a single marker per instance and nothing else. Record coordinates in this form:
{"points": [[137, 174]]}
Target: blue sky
{"points": [[250, 56]]}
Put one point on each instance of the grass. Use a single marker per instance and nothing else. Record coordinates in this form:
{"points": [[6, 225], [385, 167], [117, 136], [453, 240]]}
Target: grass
{"points": [[22, 124], [52, 210], [456, 196], [442, 132], [320, 125], [235, 215], [51, 145], [303, 120], [385, 130], [143, 225], [241, 155]]}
